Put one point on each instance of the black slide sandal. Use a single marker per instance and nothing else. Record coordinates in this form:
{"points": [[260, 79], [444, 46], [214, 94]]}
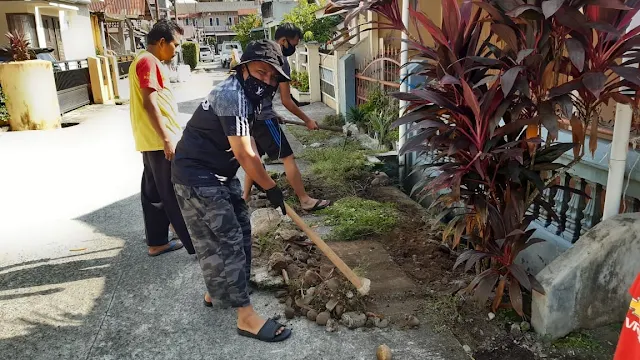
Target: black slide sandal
{"points": [[268, 332]]}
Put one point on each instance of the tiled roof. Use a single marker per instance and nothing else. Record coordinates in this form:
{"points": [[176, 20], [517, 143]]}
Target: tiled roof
{"points": [[120, 8]]}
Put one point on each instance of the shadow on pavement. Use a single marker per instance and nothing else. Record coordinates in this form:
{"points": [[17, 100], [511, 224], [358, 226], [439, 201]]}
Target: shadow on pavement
{"points": [[54, 307]]}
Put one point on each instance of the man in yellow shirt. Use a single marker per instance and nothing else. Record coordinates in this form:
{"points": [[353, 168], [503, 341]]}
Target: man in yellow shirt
{"points": [[156, 133]]}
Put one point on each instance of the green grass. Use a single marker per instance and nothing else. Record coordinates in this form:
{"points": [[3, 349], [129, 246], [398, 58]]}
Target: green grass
{"points": [[308, 137], [337, 166], [578, 341], [353, 218]]}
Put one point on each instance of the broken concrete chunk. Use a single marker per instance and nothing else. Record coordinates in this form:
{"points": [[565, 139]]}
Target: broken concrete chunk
{"points": [[381, 323], [261, 278], [353, 320], [331, 304], [294, 271], [332, 325], [277, 262], [265, 220], [311, 278], [288, 234]]}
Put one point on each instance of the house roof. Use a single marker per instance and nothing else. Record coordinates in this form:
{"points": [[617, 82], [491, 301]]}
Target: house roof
{"points": [[120, 9], [247, 11]]}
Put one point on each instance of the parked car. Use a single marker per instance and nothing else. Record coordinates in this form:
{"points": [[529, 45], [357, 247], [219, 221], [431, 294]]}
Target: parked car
{"points": [[40, 54], [227, 49], [206, 54]]}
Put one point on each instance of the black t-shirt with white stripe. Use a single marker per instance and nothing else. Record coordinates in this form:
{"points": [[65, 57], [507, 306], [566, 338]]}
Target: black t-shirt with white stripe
{"points": [[203, 155]]}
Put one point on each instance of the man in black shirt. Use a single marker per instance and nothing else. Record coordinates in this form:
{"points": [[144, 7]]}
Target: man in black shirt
{"points": [[215, 143], [268, 134]]}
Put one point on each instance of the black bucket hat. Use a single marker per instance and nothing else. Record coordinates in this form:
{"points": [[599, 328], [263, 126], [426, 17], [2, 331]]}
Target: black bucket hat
{"points": [[267, 51]]}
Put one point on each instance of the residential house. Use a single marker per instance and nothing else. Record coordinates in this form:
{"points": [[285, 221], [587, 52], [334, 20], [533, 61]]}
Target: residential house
{"points": [[273, 12], [121, 25], [63, 25], [213, 20]]}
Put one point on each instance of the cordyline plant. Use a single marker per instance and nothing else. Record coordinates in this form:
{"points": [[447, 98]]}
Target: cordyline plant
{"points": [[501, 74], [18, 46]]}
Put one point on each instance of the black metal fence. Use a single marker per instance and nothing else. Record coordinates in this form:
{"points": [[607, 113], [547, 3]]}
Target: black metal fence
{"points": [[72, 84], [123, 65]]}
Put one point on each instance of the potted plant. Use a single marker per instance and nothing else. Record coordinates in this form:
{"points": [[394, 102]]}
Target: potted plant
{"points": [[300, 86], [29, 88]]}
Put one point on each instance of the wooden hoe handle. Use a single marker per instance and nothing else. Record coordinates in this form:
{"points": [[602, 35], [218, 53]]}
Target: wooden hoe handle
{"points": [[362, 284]]}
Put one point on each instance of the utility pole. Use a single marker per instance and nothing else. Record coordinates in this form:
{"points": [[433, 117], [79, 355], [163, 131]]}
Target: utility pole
{"points": [[157, 10]]}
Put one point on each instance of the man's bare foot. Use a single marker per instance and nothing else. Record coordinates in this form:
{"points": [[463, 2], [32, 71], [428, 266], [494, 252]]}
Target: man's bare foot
{"points": [[207, 297], [312, 204], [249, 320]]}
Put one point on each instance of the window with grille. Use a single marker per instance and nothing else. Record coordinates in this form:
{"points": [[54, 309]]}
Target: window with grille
{"points": [[326, 82]]}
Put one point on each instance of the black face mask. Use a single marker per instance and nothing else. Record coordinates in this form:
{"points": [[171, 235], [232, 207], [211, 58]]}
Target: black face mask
{"points": [[256, 89], [289, 50]]}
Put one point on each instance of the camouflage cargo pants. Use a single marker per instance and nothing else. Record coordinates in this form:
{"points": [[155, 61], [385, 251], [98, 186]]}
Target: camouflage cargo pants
{"points": [[218, 220]]}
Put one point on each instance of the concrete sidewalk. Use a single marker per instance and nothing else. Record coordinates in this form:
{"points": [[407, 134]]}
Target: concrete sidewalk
{"points": [[75, 280]]}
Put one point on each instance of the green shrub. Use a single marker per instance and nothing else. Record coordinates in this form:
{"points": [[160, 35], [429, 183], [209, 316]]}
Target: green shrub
{"points": [[300, 80], [190, 53], [358, 116], [379, 112], [353, 218], [4, 113], [333, 120]]}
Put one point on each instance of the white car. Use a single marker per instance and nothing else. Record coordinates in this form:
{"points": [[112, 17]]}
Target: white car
{"points": [[206, 54], [225, 54]]}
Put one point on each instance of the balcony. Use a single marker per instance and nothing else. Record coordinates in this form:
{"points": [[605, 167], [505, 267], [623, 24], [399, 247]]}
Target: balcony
{"points": [[216, 28]]}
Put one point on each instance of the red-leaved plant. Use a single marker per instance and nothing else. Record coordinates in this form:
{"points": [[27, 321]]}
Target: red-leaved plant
{"points": [[18, 46], [499, 73]]}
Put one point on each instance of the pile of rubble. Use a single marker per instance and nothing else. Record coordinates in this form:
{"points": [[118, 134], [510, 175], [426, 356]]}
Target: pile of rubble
{"points": [[305, 281]]}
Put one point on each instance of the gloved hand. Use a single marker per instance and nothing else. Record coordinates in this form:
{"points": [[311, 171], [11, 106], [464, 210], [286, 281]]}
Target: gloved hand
{"points": [[276, 198]]}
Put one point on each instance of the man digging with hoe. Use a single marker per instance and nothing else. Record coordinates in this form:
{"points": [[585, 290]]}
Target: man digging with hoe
{"points": [[215, 143]]}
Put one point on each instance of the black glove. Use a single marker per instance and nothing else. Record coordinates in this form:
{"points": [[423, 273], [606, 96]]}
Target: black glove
{"points": [[276, 198]]}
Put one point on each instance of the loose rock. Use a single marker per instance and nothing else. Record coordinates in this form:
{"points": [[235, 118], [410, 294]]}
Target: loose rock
{"points": [[264, 221], [294, 271], [331, 304], [323, 318], [288, 234], [333, 284], [289, 313], [492, 316], [339, 310], [315, 145], [332, 325], [326, 270], [282, 293], [311, 278], [277, 262], [525, 326], [259, 203], [381, 323], [312, 315], [369, 323], [353, 320], [301, 255], [413, 321], [261, 278], [349, 294], [309, 296], [515, 329], [383, 352], [467, 349]]}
